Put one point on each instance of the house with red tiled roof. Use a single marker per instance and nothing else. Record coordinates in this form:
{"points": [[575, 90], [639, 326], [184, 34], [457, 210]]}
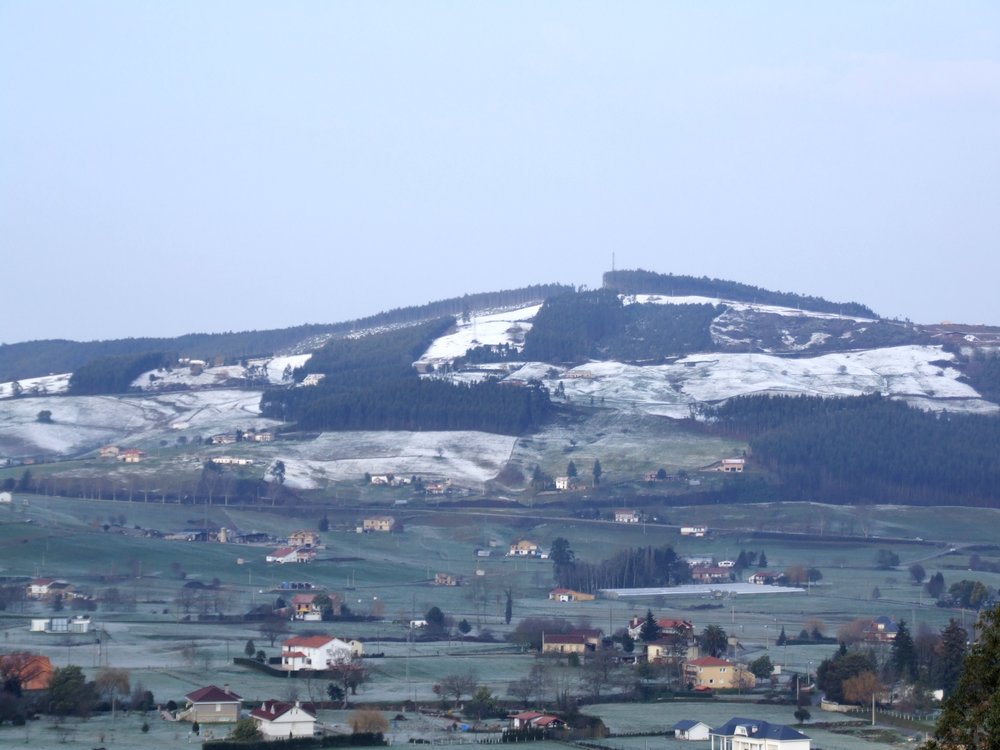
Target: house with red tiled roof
{"points": [[212, 705], [535, 719], [317, 652], [291, 555], [278, 720], [32, 671]]}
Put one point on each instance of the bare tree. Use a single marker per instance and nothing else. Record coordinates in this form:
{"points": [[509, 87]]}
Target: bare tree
{"points": [[458, 685], [272, 628]]}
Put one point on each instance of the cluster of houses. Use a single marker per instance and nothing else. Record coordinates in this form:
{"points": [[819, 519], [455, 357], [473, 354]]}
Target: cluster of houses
{"points": [[301, 548]]}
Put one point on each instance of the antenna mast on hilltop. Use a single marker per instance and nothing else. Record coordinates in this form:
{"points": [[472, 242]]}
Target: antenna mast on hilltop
{"points": [[612, 261]]}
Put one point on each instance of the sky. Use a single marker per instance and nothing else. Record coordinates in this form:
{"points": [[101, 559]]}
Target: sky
{"points": [[177, 167]]}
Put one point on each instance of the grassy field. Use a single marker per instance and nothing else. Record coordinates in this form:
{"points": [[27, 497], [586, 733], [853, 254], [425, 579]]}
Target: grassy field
{"points": [[388, 575]]}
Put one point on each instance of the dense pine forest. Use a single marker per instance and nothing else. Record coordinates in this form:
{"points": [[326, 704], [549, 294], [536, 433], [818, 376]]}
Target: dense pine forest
{"points": [[109, 375], [595, 324], [369, 384], [35, 358], [867, 449], [648, 282]]}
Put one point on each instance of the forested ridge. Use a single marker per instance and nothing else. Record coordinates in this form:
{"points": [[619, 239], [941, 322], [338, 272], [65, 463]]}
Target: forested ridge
{"points": [[867, 449], [369, 384], [109, 375], [35, 358], [647, 282], [595, 324]]}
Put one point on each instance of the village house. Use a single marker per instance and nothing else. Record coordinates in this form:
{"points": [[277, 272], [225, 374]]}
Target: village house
{"points": [[446, 579], [711, 574], [564, 643], [277, 720], [668, 627], [231, 461], [253, 436], [212, 705], [672, 649], [694, 530], [131, 455], [284, 555], [379, 523], [731, 465], [317, 652], [765, 578], [305, 538], [562, 483], [109, 451], [306, 608], [523, 548], [627, 516], [32, 671], [535, 720], [688, 729], [569, 595], [224, 438], [882, 629], [712, 672], [753, 734], [49, 588]]}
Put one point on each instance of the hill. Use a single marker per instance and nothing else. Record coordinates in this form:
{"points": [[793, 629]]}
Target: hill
{"points": [[511, 386]]}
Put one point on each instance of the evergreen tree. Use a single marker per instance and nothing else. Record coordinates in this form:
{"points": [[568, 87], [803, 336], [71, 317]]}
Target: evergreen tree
{"points": [[762, 559], [782, 638], [903, 655], [250, 649], [508, 610], [713, 640], [971, 714], [597, 471], [571, 471], [650, 630], [935, 585], [949, 656]]}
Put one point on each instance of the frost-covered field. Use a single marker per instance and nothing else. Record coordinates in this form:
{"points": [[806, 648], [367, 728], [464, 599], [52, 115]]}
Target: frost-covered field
{"points": [[44, 385], [910, 373], [484, 328], [707, 589], [468, 458]]}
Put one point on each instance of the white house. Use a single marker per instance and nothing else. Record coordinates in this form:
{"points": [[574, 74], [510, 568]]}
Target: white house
{"points": [[626, 516], [277, 720], [284, 555], [688, 729], [752, 734], [315, 652], [694, 530]]}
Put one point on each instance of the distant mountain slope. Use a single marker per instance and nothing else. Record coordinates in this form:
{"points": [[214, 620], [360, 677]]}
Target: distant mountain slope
{"points": [[36, 358], [647, 282]]}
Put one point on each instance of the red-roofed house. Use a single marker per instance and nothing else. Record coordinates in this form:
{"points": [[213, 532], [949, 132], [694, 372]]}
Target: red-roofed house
{"points": [[529, 719], [291, 555], [569, 595], [212, 705], [32, 671], [315, 652], [564, 643], [277, 720]]}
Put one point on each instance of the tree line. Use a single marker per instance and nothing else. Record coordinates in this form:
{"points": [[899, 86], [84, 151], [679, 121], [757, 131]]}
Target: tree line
{"points": [[867, 449], [34, 358], [369, 384], [115, 374], [648, 282], [639, 567]]}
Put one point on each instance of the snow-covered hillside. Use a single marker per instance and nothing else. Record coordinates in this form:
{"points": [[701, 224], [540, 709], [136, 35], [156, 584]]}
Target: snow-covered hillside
{"points": [[46, 385], [273, 370], [467, 458], [915, 374], [483, 329], [84, 423]]}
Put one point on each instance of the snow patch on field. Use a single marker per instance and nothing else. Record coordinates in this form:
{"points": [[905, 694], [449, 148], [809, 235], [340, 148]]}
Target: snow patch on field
{"points": [[911, 373], [483, 328], [263, 370], [467, 458], [47, 385]]}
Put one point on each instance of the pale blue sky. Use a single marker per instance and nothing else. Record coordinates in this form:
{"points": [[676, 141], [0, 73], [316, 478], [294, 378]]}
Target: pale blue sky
{"points": [[168, 167]]}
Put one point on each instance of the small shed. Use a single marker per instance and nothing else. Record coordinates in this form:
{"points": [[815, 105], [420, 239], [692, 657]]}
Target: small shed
{"points": [[689, 729]]}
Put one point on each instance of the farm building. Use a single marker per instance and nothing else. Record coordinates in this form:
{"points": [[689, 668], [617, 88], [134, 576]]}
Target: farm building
{"points": [[569, 595], [379, 523], [688, 729]]}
